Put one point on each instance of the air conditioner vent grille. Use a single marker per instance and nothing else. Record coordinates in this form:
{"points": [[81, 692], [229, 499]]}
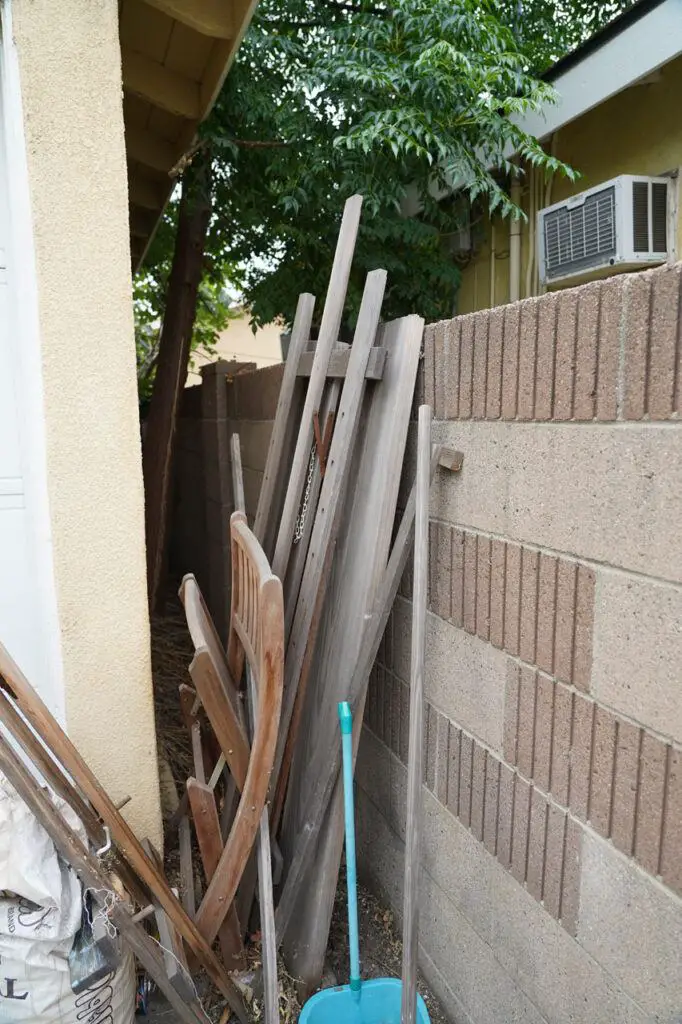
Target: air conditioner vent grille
{"points": [[640, 216], [659, 216], [575, 237]]}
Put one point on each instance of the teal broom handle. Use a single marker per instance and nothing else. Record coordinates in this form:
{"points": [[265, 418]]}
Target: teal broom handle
{"points": [[346, 722]]}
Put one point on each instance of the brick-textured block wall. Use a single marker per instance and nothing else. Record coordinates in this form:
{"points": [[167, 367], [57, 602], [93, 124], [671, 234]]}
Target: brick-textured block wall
{"points": [[553, 717], [232, 398]]}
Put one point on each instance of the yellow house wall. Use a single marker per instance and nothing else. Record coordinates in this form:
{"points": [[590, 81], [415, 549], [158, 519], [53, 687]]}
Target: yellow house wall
{"points": [[70, 73], [238, 342], [637, 132]]}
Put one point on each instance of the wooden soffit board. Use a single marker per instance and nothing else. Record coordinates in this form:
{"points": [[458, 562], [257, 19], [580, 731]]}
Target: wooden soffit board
{"points": [[175, 55]]}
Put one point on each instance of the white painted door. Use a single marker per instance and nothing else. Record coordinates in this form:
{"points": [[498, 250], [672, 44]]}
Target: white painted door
{"points": [[22, 629]]}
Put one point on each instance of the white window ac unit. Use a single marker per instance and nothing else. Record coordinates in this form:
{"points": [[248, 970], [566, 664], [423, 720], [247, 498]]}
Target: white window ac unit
{"points": [[618, 223]]}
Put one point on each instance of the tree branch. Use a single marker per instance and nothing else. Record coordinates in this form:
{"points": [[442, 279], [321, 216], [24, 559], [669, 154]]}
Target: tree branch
{"points": [[259, 144]]}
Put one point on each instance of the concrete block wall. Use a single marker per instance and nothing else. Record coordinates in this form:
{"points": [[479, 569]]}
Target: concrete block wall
{"points": [[233, 397], [552, 797]]}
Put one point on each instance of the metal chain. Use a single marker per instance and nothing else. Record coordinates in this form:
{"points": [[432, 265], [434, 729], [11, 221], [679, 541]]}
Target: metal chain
{"points": [[303, 511]]}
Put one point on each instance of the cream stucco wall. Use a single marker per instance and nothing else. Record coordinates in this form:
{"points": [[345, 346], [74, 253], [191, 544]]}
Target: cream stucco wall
{"points": [[70, 74], [638, 131]]}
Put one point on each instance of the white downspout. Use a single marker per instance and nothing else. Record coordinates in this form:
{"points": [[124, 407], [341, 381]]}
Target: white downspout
{"points": [[515, 245], [493, 257], [532, 203]]}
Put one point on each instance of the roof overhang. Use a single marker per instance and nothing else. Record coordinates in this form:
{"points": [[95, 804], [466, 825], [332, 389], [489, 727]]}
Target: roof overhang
{"points": [[175, 55], [638, 43]]}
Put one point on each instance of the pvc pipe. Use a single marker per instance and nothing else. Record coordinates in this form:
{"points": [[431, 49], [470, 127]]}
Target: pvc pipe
{"points": [[493, 257], [515, 246], [530, 262], [346, 723]]}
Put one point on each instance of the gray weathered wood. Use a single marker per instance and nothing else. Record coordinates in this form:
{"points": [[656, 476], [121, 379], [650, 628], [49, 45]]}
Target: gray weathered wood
{"points": [[360, 563], [299, 554], [172, 951], [329, 330], [327, 518], [186, 867], [338, 364], [237, 474], [265, 889], [375, 627], [415, 761], [91, 874], [284, 416]]}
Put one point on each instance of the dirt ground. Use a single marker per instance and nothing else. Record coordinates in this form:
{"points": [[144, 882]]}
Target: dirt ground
{"points": [[380, 957], [380, 945]]}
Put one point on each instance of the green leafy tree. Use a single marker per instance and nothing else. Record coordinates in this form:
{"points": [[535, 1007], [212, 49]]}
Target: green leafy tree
{"points": [[403, 102], [397, 103], [394, 101], [547, 30]]}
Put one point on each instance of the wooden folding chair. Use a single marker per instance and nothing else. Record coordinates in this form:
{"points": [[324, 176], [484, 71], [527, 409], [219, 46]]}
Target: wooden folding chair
{"points": [[256, 633]]}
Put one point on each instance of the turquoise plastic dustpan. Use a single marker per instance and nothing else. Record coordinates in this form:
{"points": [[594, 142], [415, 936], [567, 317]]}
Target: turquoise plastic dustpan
{"points": [[362, 1002]]}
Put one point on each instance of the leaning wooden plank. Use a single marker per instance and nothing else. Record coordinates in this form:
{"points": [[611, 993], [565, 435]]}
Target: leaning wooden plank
{"points": [[362, 556], [265, 891], [186, 867], [299, 554], [50, 770], [285, 409], [375, 627], [55, 777], [237, 475], [296, 715], [415, 760], [329, 331], [91, 874], [328, 516], [210, 840], [338, 364], [53, 736], [172, 950]]}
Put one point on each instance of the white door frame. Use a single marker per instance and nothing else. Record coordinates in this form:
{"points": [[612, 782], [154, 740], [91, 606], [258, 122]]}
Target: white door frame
{"points": [[24, 324]]}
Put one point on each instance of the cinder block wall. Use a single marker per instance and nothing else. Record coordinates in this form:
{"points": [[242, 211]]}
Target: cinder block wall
{"points": [[232, 397], [552, 798]]}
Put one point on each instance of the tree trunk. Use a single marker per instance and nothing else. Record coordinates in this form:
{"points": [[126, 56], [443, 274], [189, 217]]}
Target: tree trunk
{"points": [[171, 370]]}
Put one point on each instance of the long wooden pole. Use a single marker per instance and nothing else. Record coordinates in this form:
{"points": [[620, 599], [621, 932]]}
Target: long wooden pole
{"points": [[371, 638], [265, 889], [415, 766], [329, 332]]}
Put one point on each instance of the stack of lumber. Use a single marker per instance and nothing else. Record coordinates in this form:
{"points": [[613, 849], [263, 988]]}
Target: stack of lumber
{"points": [[313, 583], [325, 518]]}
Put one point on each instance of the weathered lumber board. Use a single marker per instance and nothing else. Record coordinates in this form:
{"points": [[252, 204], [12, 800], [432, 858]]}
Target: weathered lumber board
{"points": [[299, 553], [328, 514], [286, 422], [329, 331], [375, 627], [360, 563], [415, 760], [338, 364], [265, 888]]}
